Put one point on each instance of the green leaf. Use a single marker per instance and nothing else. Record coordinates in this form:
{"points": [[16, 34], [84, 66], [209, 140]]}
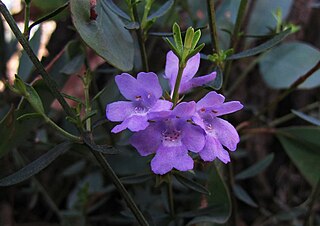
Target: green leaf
{"points": [[177, 37], [35, 166], [302, 144], [261, 18], [105, 149], [189, 183], [25, 64], [241, 194], [136, 179], [106, 35], [256, 168], [35, 100], [29, 116], [284, 64], [196, 38], [307, 118], [117, 10], [162, 10], [263, 47]]}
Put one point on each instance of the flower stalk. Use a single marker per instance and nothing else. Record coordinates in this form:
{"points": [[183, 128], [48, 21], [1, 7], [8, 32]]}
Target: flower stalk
{"points": [[213, 26], [26, 18], [140, 36], [235, 38], [107, 170], [175, 96]]}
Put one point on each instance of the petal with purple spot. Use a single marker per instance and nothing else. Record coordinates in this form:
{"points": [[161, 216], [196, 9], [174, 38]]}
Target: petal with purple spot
{"points": [[161, 105], [210, 100], [185, 109], [150, 82]]}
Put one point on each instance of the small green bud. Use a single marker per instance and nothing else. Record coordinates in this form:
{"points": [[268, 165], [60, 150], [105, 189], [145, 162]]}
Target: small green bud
{"points": [[188, 39], [19, 86]]}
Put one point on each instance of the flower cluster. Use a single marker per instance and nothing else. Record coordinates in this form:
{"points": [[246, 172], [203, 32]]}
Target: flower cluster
{"points": [[169, 133]]}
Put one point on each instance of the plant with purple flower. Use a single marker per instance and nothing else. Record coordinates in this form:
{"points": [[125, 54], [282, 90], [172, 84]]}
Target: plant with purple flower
{"points": [[170, 138], [169, 130], [219, 132], [143, 93]]}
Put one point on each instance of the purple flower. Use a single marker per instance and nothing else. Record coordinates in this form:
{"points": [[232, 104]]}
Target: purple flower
{"points": [[219, 132], [170, 137], [143, 93], [187, 80]]}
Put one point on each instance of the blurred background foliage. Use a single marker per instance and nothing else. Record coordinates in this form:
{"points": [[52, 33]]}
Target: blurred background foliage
{"points": [[274, 175]]}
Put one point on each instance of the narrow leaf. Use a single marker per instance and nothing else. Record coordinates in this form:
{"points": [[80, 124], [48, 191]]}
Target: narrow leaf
{"points": [[241, 194], [35, 166], [105, 149], [189, 183], [177, 37], [256, 168], [261, 48], [25, 64], [29, 116], [162, 10], [307, 118], [117, 10], [196, 38], [132, 26], [195, 51]]}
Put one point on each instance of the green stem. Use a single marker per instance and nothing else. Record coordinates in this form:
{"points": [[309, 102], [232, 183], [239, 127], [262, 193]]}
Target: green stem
{"points": [[21, 159], [49, 16], [175, 96], [170, 198], [61, 131], [110, 173], [213, 26], [25, 44], [234, 214], [140, 36], [235, 38], [26, 19], [87, 81]]}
